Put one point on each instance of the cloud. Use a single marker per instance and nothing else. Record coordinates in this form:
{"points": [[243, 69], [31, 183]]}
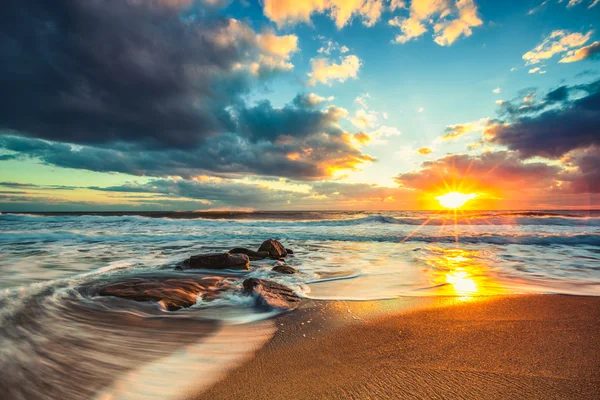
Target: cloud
{"points": [[264, 194], [145, 72], [411, 28], [573, 3], [424, 151], [362, 100], [453, 132], [583, 176], [538, 8], [310, 100], [557, 42], [491, 175], [566, 119], [298, 141], [497, 90], [397, 5], [325, 71], [286, 12], [536, 70], [363, 119], [159, 88], [330, 46], [21, 185], [594, 3], [588, 52], [450, 20]]}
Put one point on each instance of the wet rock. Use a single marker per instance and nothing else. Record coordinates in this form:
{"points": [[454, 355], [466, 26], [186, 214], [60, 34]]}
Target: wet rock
{"points": [[271, 295], [253, 255], [289, 251], [274, 248], [285, 269], [217, 261], [172, 293]]}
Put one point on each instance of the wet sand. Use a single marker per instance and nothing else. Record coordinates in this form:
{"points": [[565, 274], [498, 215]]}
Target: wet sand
{"points": [[509, 347]]}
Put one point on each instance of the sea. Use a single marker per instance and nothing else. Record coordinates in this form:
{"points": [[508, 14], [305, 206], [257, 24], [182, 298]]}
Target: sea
{"points": [[60, 340]]}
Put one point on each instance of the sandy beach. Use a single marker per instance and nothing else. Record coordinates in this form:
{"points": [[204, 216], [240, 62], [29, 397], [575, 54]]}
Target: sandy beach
{"points": [[498, 347]]}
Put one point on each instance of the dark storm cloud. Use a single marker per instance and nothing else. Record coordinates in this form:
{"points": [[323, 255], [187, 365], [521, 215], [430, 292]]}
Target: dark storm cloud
{"points": [[585, 177], [19, 185], [567, 118], [225, 155], [232, 193], [154, 73], [156, 87], [219, 193], [298, 119]]}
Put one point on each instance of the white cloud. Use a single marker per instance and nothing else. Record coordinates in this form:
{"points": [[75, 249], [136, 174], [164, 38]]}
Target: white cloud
{"points": [[330, 46], [363, 119], [362, 100], [387, 131], [325, 71], [497, 90], [537, 70], [420, 109], [538, 8], [315, 99]]}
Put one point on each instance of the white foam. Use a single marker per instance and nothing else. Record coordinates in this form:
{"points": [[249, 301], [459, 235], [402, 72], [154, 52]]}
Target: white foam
{"points": [[192, 369]]}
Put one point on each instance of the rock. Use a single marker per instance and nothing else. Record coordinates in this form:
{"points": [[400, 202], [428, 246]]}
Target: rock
{"points": [[217, 261], [271, 295], [285, 269], [289, 251], [274, 248], [172, 293], [254, 255]]}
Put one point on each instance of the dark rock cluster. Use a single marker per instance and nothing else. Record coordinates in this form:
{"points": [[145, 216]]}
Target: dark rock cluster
{"points": [[183, 290]]}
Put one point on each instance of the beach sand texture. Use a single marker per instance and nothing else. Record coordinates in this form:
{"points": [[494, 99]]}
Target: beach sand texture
{"points": [[510, 347]]}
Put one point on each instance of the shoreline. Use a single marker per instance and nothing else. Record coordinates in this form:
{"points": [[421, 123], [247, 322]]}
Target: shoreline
{"points": [[494, 347]]}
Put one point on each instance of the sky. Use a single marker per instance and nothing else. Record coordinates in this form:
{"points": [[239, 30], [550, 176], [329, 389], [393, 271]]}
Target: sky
{"points": [[148, 105]]}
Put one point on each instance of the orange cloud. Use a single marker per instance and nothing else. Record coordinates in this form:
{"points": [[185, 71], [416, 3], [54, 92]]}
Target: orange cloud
{"points": [[493, 176], [558, 41], [284, 12], [450, 21], [582, 53], [458, 130], [424, 151]]}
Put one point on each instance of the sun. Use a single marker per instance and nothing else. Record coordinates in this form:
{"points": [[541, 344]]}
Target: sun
{"points": [[455, 200]]}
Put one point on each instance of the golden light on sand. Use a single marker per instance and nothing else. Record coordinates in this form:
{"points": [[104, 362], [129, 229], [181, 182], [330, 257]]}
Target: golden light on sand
{"points": [[455, 200]]}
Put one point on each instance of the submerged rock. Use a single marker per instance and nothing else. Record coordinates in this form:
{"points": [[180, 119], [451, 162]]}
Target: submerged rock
{"points": [[172, 293], [274, 248], [289, 251], [285, 269], [253, 255], [217, 261], [271, 294]]}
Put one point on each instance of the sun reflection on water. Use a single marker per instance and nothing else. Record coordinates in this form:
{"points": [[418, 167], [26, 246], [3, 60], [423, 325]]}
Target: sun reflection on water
{"points": [[458, 272]]}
